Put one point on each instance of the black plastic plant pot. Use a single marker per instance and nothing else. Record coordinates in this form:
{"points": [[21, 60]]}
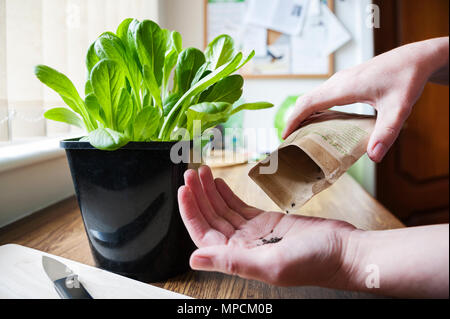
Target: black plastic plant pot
{"points": [[128, 201]]}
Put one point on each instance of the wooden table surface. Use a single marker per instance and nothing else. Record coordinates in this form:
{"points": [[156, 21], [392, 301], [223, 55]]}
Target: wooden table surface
{"points": [[59, 230]]}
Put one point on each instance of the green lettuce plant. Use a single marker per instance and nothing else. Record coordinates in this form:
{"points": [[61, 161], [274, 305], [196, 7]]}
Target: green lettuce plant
{"points": [[128, 96]]}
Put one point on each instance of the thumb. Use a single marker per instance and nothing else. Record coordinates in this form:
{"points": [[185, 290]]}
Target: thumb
{"points": [[247, 263], [332, 93], [386, 131]]}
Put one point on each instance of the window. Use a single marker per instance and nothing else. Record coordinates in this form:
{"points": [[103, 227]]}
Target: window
{"points": [[56, 33], [33, 169]]}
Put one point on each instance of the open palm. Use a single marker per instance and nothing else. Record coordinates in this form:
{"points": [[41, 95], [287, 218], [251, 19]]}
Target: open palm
{"points": [[273, 247]]}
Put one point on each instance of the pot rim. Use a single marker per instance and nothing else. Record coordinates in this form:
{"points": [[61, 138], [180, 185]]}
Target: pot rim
{"points": [[74, 143]]}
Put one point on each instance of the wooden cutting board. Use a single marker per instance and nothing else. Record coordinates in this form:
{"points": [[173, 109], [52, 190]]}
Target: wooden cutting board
{"points": [[22, 276]]}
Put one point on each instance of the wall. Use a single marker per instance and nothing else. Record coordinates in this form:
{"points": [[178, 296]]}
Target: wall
{"points": [[188, 18], [32, 176]]}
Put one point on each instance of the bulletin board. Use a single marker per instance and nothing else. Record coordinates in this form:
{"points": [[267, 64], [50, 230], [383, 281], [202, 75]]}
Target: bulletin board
{"points": [[279, 53]]}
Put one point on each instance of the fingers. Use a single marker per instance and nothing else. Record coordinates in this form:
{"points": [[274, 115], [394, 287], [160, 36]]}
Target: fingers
{"points": [[216, 200], [235, 202], [246, 263], [200, 231], [386, 131], [192, 180], [336, 91]]}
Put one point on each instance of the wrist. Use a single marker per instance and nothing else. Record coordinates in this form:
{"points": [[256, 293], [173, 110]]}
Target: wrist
{"points": [[351, 273], [431, 54]]}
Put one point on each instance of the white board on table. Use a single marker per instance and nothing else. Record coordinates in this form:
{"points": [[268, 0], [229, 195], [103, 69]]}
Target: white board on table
{"points": [[22, 276]]}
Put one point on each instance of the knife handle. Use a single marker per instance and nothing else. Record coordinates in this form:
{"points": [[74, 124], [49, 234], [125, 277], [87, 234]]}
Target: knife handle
{"points": [[75, 292]]}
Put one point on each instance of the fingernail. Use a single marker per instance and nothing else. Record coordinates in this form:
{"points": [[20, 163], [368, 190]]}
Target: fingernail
{"points": [[187, 172], [378, 151], [201, 262]]}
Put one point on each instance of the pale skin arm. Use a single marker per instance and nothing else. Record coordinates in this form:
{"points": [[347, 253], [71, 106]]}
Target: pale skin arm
{"points": [[391, 83], [412, 262]]}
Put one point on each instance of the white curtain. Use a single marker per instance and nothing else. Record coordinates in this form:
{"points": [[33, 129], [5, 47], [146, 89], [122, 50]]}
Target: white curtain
{"points": [[56, 33], [3, 105]]}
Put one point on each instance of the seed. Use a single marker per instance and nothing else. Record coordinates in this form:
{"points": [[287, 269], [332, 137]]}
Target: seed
{"points": [[272, 240]]}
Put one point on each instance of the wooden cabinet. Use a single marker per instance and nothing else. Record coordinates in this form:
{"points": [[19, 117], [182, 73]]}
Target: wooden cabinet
{"points": [[413, 179]]}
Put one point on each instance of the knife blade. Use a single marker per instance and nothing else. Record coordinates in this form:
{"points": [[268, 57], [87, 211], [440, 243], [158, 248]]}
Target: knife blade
{"points": [[64, 279]]}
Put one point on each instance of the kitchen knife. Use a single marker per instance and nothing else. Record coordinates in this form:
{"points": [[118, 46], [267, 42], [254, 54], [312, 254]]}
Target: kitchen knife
{"points": [[65, 281]]}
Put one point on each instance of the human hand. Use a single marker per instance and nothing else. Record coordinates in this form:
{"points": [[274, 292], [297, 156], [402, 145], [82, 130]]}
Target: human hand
{"points": [[272, 247], [391, 83]]}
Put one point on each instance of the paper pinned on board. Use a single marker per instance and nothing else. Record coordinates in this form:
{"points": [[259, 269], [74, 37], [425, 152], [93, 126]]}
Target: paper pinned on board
{"points": [[337, 35], [309, 33], [254, 38], [225, 17], [322, 35], [285, 16], [307, 49], [314, 8]]}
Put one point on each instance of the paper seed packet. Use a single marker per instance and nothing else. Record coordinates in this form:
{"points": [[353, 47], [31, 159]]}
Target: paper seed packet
{"points": [[312, 158]]}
